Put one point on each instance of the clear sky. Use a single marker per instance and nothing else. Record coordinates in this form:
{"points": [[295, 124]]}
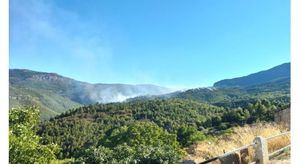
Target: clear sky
{"points": [[175, 43]]}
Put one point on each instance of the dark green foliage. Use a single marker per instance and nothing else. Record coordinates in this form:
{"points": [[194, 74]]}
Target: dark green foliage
{"points": [[24, 144], [238, 116], [86, 126], [188, 135], [92, 126], [140, 142], [139, 133], [261, 110], [126, 154], [98, 154]]}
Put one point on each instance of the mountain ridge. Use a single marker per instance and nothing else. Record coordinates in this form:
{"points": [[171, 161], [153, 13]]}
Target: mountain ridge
{"points": [[61, 93], [54, 93], [275, 73], [277, 87]]}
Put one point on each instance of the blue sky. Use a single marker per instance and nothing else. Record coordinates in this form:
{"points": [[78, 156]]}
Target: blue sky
{"points": [[180, 44]]}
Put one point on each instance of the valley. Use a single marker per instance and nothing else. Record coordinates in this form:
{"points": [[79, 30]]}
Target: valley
{"points": [[154, 125]]}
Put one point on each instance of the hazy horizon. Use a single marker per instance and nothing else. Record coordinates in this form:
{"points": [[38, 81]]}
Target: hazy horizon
{"points": [[176, 45], [173, 88]]}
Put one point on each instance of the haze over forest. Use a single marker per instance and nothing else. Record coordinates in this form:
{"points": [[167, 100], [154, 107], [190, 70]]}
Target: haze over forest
{"points": [[154, 82]]}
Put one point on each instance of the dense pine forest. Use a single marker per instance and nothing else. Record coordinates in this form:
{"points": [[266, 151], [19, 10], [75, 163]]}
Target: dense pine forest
{"points": [[150, 131]]}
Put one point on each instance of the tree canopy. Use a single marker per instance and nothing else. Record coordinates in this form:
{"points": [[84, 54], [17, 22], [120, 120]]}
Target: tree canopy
{"points": [[24, 144]]}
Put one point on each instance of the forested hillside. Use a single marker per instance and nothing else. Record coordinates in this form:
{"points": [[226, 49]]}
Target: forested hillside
{"points": [[279, 89], [147, 129], [54, 93], [85, 128], [231, 97], [276, 73]]}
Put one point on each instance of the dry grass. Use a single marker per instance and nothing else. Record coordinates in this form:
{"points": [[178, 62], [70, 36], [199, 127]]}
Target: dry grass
{"points": [[241, 136]]}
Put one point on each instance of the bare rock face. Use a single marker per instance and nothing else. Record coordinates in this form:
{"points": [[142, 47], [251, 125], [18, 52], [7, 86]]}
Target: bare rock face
{"points": [[46, 77]]}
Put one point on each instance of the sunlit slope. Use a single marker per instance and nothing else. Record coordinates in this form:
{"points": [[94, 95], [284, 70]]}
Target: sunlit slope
{"points": [[55, 93]]}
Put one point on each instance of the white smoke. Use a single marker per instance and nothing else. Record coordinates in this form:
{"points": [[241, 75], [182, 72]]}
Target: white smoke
{"points": [[106, 93]]}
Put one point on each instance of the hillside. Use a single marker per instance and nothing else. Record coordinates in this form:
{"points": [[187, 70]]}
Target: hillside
{"points": [[276, 73], [50, 103], [231, 97], [145, 129], [87, 125], [55, 93], [279, 89], [106, 126]]}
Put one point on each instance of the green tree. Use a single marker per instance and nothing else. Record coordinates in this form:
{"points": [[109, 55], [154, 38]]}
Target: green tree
{"points": [[188, 135], [140, 142], [24, 144]]}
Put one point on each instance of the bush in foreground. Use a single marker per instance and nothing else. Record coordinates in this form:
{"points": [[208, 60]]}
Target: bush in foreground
{"points": [[24, 144]]}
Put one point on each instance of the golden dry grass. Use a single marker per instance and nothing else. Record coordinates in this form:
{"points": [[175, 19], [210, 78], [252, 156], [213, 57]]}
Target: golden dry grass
{"points": [[241, 136]]}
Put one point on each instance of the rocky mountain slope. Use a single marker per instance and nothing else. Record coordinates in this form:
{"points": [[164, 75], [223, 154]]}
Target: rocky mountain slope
{"points": [[55, 93]]}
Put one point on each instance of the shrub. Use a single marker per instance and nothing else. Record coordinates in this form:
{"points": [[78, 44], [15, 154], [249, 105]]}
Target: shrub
{"points": [[188, 135], [24, 144], [140, 142]]}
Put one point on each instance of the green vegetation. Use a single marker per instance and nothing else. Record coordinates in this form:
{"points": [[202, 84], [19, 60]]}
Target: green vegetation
{"points": [[239, 97], [24, 144], [49, 103], [55, 94], [86, 126], [275, 91], [140, 142], [107, 127], [188, 135], [155, 129]]}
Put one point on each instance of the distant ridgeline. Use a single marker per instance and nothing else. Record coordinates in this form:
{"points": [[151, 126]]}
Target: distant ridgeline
{"points": [[272, 84], [144, 129], [55, 94], [278, 73]]}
